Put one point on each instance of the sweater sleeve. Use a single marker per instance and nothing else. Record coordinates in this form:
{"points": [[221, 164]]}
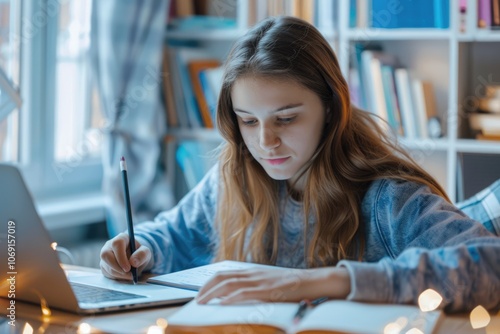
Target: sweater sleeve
{"points": [[183, 237], [428, 243]]}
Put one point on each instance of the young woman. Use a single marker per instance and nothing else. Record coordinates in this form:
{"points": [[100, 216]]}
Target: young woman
{"points": [[311, 184]]}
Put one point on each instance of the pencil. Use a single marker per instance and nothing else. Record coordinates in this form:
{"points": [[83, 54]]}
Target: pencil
{"points": [[304, 305], [130, 223]]}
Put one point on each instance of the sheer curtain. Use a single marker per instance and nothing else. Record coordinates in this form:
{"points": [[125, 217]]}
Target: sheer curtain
{"points": [[126, 46]]}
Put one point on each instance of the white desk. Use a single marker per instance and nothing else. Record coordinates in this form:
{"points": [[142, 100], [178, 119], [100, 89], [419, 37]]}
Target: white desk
{"points": [[140, 321]]}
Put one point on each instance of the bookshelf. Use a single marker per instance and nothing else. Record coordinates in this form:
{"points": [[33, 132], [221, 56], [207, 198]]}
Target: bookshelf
{"points": [[457, 58]]}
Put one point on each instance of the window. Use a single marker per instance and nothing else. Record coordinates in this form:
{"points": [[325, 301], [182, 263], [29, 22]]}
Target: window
{"points": [[77, 112], [71, 138], [53, 136], [9, 80]]}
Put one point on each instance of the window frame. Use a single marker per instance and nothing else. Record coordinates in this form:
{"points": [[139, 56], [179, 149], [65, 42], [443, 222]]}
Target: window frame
{"points": [[74, 179]]}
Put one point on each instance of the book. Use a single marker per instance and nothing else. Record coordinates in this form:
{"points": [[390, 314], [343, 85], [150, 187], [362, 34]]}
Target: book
{"points": [[209, 94], [410, 14], [184, 8], [171, 113], [183, 57], [495, 14], [379, 105], [484, 13], [333, 316], [195, 67], [362, 8], [176, 86], [405, 100], [214, 78], [419, 104], [372, 62], [357, 60], [195, 278], [391, 99], [441, 14]]}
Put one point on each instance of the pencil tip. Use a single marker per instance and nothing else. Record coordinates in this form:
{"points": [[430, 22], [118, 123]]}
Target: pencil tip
{"points": [[122, 159]]}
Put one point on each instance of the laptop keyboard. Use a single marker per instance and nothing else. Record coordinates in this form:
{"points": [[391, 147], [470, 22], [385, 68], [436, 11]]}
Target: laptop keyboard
{"points": [[91, 294]]}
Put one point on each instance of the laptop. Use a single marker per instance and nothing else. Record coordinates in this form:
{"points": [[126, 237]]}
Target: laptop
{"points": [[31, 270]]}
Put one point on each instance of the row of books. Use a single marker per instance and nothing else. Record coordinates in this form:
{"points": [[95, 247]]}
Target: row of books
{"points": [[399, 14], [186, 8], [192, 83], [488, 13], [223, 14], [198, 15], [407, 104], [377, 81], [304, 9], [186, 14]]}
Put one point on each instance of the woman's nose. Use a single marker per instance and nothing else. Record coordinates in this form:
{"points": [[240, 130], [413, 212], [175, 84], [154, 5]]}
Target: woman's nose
{"points": [[269, 140]]}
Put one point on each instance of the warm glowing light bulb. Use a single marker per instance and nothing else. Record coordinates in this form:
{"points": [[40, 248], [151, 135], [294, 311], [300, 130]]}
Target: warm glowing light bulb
{"points": [[53, 245], [155, 330], [163, 323], [46, 311], [479, 317], [84, 328], [414, 331], [429, 300], [28, 329], [392, 328]]}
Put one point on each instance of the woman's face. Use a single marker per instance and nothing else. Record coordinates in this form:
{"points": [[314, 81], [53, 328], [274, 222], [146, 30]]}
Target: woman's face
{"points": [[281, 123]]}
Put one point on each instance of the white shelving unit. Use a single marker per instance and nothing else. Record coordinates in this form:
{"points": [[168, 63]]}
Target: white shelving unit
{"points": [[455, 62]]}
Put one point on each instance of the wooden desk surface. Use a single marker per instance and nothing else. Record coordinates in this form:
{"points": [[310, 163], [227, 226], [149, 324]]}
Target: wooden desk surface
{"points": [[141, 321]]}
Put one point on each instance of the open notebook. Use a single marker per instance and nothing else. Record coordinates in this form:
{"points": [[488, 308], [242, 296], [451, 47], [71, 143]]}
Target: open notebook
{"points": [[195, 278], [335, 316]]}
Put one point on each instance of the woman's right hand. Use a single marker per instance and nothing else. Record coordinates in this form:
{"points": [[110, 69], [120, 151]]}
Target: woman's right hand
{"points": [[116, 261]]}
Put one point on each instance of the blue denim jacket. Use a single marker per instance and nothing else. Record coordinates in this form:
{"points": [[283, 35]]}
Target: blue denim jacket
{"points": [[415, 240]]}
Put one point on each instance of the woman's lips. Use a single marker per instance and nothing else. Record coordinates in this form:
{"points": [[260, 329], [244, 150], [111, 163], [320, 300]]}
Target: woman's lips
{"points": [[277, 161]]}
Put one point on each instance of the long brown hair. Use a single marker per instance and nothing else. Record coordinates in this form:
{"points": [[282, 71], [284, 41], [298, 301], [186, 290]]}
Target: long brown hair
{"points": [[353, 152]]}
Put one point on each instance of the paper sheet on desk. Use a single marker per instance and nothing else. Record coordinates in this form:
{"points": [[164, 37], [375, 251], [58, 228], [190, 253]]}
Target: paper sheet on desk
{"points": [[334, 316], [195, 278]]}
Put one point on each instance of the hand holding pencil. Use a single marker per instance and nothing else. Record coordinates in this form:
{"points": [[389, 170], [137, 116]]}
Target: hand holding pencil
{"points": [[130, 223], [123, 257]]}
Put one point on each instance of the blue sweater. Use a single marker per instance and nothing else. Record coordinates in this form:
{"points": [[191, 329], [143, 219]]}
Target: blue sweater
{"points": [[415, 240]]}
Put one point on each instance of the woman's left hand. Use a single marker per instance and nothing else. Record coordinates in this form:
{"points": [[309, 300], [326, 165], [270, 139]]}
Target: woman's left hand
{"points": [[276, 285]]}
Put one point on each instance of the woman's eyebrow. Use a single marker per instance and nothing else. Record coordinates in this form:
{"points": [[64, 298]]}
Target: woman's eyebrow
{"points": [[288, 106]]}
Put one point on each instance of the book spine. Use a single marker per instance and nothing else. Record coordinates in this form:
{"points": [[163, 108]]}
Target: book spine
{"points": [[495, 14], [184, 8], [441, 14], [420, 112], [352, 14], [377, 87], [209, 94], [174, 76], [362, 10], [405, 102], [409, 14], [484, 13], [172, 120], [189, 98], [390, 100]]}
